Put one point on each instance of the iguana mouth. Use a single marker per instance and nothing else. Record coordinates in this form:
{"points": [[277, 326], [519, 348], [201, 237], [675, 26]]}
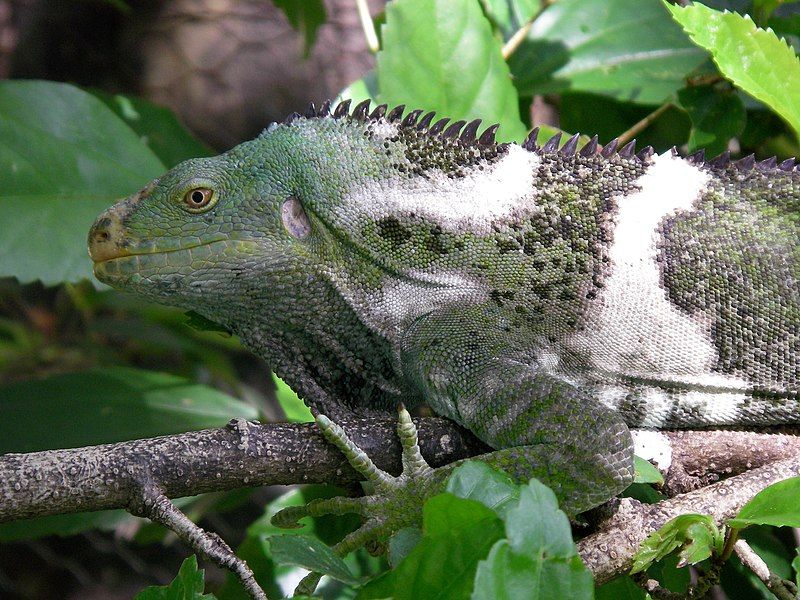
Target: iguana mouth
{"points": [[123, 252], [173, 261]]}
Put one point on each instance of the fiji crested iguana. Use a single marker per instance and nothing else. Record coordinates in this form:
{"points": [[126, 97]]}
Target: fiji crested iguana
{"points": [[546, 299]]}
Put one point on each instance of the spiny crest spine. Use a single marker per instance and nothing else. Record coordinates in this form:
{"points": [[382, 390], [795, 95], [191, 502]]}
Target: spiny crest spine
{"points": [[468, 134]]}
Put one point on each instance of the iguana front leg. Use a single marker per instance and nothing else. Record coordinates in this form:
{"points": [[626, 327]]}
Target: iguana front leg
{"points": [[541, 427], [469, 370]]}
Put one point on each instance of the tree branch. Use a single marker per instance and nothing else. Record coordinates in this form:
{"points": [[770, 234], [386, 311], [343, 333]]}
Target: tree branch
{"points": [[609, 552], [246, 454], [154, 505], [242, 454], [756, 564]]}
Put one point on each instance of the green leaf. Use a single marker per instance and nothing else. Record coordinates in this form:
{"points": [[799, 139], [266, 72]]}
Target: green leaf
{"points": [[667, 573], [64, 157], [475, 480], [506, 575], [441, 55], [775, 505], [306, 16], [70, 524], [536, 524], [293, 407], [538, 559], [621, 588], [696, 535], [457, 533], [627, 49], [762, 9], [187, 585], [752, 58], [158, 128], [110, 405], [200, 323], [509, 16], [256, 549], [644, 472], [402, 543], [309, 553], [717, 116]]}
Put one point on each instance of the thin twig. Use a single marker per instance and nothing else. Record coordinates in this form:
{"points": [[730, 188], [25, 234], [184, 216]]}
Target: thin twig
{"points": [[637, 128], [519, 36], [756, 564], [368, 26], [654, 588], [154, 505]]}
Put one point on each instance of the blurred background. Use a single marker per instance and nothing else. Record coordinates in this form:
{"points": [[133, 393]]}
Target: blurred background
{"points": [[80, 364]]}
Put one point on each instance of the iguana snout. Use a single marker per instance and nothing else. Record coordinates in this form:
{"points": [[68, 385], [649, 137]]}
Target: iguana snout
{"points": [[107, 238]]}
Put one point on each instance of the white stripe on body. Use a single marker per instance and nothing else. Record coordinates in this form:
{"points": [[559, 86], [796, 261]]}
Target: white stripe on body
{"points": [[471, 203], [633, 330]]}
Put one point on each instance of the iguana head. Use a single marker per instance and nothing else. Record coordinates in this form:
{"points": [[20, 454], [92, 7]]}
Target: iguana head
{"points": [[306, 200]]}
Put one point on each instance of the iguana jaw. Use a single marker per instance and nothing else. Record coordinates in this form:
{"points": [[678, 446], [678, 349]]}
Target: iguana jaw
{"points": [[154, 263], [164, 262]]}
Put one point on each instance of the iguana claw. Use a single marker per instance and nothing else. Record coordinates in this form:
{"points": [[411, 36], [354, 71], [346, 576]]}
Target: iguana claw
{"points": [[394, 503]]}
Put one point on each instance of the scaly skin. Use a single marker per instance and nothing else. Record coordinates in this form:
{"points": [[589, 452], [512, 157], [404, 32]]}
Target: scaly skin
{"points": [[544, 299]]}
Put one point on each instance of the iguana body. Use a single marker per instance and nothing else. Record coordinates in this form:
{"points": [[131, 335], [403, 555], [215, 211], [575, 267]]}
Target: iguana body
{"points": [[545, 299]]}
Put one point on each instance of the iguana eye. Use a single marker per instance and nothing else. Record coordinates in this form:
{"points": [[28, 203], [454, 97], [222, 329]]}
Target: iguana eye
{"points": [[199, 199], [295, 219]]}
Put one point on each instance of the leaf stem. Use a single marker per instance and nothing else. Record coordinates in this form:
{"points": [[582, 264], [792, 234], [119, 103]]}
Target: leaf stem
{"points": [[519, 36], [637, 128], [368, 26]]}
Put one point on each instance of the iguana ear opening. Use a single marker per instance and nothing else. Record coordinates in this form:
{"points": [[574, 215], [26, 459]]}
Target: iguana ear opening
{"points": [[295, 219]]}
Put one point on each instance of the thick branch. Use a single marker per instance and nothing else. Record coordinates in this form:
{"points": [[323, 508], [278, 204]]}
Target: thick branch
{"points": [[251, 454], [609, 552], [240, 455]]}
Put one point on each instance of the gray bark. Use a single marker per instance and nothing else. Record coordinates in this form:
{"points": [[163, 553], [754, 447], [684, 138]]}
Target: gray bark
{"points": [[124, 474]]}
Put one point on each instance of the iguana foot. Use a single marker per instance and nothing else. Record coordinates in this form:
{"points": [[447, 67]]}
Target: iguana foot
{"points": [[394, 502]]}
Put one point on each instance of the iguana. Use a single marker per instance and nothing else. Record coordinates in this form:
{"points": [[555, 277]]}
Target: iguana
{"points": [[546, 298]]}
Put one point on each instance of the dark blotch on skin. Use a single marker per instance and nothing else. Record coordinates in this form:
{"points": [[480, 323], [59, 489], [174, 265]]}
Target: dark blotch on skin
{"points": [[390, 229]]}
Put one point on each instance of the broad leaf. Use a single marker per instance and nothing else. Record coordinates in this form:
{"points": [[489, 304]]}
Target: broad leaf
{"points": [[293, 407], [187, 585], [538, 558], [69, 524], [457, 534], [109, 405], [796, 568], [256, 546], [306, 16], [775, 505], [509, 16], [717, 117], [754, 59], [507, 575], [64, 157], [644, 472], [157, 127], [441, 55], [475, 480], [627, 49], [402, 543], [309, 553], [695, 535], [621, 588]]}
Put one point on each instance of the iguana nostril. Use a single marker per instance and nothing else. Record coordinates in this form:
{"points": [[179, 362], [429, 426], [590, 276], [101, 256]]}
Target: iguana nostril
{"points": [[105, 236]]}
